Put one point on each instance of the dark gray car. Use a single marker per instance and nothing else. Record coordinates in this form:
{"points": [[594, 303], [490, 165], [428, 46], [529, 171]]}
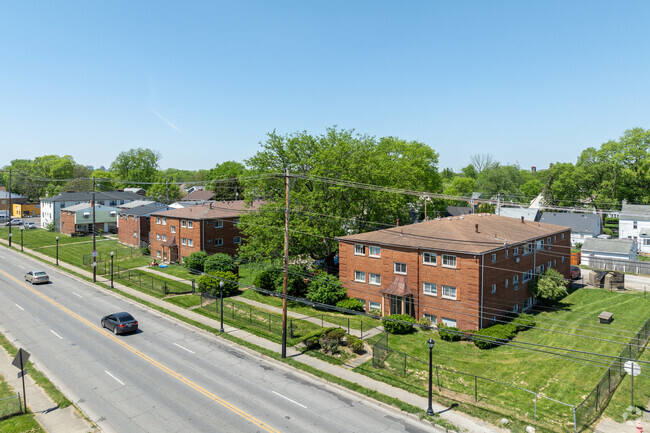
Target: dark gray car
{"points": [[120, 323]]}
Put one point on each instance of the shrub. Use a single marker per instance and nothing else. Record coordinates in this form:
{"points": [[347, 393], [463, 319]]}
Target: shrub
{"points": [[331, 339], [448, 333], [265, 280], [220, 263], [145, 251], [398, 323], [211, 283], [423, 321], [523, 322], [296, 285], [351, 304], [354, 343], [326, 289], [337, 333], [312, 339], [196, 260], [494, 333]]}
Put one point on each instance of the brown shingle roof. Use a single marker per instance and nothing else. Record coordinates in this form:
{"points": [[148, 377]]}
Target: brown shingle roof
{"points": [[459, 233], [398, 287], [199, 194], [213, 210], [171, 242]]}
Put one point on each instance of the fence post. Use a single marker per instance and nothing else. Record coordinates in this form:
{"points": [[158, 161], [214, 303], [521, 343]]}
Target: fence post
{"points": [[322, 320], [362, 329], [233, 309], [575, 424], [404, 375], [348, 325], [165, 287], [291, 328], [535, 406], [269, 322], [476, 388], [438, 379], [193, 287]]}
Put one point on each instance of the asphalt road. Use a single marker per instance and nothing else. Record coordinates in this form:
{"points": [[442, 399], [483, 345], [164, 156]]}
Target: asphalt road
{"points": [[167, 377]]}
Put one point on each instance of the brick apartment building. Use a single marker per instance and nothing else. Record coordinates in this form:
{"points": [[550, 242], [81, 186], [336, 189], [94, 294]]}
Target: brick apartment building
{"points": [[79, 218], [133, 223], [466, 271], [209, 227]]}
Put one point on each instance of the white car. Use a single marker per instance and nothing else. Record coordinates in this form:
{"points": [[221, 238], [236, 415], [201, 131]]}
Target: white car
{"points": [[29, 225]]}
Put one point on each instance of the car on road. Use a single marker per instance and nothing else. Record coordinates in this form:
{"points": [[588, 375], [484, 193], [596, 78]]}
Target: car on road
{"points": [[37, 277], [120, 323], [14, 222], [574, 272], [29, 225]]}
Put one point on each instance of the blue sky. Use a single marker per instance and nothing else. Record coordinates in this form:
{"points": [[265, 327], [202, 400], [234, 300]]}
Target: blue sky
{"points": [[530, 83]]}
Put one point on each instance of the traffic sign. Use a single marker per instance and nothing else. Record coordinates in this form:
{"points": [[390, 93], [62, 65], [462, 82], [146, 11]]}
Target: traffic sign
{"points": [[21, 359]]}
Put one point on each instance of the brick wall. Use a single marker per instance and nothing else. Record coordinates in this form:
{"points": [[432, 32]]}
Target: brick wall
{"points": [[67, 222]]}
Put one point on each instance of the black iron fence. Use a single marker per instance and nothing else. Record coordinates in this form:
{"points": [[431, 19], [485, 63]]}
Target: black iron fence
{"points": [[596, 401], [145, 280], [10, 406], [119, 254]]}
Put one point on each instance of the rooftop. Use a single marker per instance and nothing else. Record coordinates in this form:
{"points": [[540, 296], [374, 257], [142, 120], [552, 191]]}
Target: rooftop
{"points": [[211, 210]]}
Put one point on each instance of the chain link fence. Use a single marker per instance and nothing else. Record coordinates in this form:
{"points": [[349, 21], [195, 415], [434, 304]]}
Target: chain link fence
{"points": [[118, 254], [10, 406]]}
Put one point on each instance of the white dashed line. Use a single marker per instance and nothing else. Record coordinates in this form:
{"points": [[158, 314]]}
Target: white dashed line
{"points": [[184, 348], [20, 307], [118, 380], [56, 334], [292, 401], [77, 295]]}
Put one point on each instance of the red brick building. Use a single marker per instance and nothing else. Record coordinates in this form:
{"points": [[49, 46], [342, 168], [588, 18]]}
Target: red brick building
{"points": [[465, 271], [133, 224], [209, 227]]}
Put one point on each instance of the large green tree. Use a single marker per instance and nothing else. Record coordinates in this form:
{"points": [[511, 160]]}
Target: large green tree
{"points": [[43, 176], [224, 179], [136, 166], [328, 197]]}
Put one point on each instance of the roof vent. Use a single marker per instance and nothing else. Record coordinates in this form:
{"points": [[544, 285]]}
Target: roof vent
{"points": [[462, 217], [448, 219], [522, 220], [476, 228]]}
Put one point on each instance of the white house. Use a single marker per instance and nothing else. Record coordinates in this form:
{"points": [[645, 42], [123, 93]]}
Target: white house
{"points": [[51, 206], [583, 225], [609, 249], [634, 223]]}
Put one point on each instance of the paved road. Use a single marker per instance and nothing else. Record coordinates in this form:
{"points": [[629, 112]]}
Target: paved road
{"points": [[168, 377]]}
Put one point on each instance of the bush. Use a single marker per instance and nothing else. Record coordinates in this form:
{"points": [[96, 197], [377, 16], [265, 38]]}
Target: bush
{"points": [[448, 333], [331, 339], [523, 322], [398, 324], [355, 344], [312, 339], [296, 285], [351, 304], [337, 333], [265, 280], [326, 289], [145, 251], [210, 283], [195, 261], [494, 333], [220, 263]]}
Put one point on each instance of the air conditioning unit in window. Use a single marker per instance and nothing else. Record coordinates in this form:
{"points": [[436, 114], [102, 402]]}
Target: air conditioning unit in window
{"points": [[517, 258]]}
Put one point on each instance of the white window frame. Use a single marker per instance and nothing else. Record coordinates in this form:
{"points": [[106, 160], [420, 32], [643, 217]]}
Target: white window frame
{"points": [[218, 224], [432, 258], [374, 279], [183, 223], [432, 318], [172, 229], [183, 241], [374, 306], [507, 253], [515, 279], [158, 220], [399, 264], [446, 259], [494, 257], [494, 288], [539, 244], [528, 248], [157, 236], [430, 289], [235, 222], [374, 251], [218, 242], [527, 276], [190, 242], [157, 253], [359, 276], [135, 234], [164, 221], [359, 250], [446, 288], [190, 224], [164, 237], [515, 251], [507, 282], [236, 240], [450, 323]]}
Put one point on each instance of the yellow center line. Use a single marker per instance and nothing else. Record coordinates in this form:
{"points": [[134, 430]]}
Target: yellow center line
{"points": [[149, 359]]}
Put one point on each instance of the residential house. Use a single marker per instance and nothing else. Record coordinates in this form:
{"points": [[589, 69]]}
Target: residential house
{"points": [[596, 252], [133, 223], [459, 210], [25, 210], [79, 218], [199, 195], [583, 225], [529, 214], [4, 201], [465, 271], [210, 227], [51, 206], [634, 223], [139, 191]]}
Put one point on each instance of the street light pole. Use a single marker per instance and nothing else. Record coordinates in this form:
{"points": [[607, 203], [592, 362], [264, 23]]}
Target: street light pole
{"points": [[57, 251], [111, 269], [221, 309], [22, 228], [430, 411], [10, 235]]}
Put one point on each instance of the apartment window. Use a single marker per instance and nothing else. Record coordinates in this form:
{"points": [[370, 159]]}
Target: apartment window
{"points": [[374, 306], [494, 257], [507, 253], [515, 251], [528, 248], [165, 256], [183, 223], [157, 220], [539, 270], [236, 240], [431, 318], [157, 236], [164, 221], [359, 250], [449, 322], [375, 252], [235, 222], [218, 224], [562, 236], [562, 259], [528, 275], [494, 288], [515, 308], [507, 282], [363, 301], [164, 238], [158, 253], [554, 263], [135, 234], [359, 276], [429, 258], [548, 265], [448, 261], [634, 225], [374, 279], [218, 242], [555, 239], [173, 229], [548, 241], [208, 241], [430, 289], [183, 241], [448, 292], [539, 244], [399, 268], [190, 224], [190, 242]]}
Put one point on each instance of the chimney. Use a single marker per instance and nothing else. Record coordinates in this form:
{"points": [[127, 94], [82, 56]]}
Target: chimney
{"points": [[210, 205], [533, 169], [397, 222], [522, 220], [476, 228]]}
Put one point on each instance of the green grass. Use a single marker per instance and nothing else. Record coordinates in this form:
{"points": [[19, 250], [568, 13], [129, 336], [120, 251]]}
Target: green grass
{"points": [[25, 423], [185, 301], [617, 409]]}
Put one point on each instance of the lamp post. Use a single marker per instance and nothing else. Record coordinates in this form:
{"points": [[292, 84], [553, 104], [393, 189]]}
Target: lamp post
{"points": [[430, 411], [57, 251], [221, 298], [9, 235], [111, 269], [22, 228]]}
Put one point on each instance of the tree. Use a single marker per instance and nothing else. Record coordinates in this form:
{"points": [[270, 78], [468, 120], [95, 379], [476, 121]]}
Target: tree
{"points": [[212, 283], [164, 191], [550, 286], [500, 179], [323, 203], [224, 179], [481, 161], [296, 285], [219, 262], [326, 289], [196, 261], [41, 177], [136, 165]]}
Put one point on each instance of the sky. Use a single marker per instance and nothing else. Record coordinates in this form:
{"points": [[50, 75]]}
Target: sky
{"points": [[203, 82]]}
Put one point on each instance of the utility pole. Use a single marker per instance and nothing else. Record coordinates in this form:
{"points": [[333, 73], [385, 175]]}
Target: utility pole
{"points": [[94, 244], [167, 191], [9, 211], [286, 264]]}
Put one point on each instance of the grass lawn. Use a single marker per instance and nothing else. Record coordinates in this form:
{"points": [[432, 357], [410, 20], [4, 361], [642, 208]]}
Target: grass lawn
{"points": [[561, 378], [185, 301]]}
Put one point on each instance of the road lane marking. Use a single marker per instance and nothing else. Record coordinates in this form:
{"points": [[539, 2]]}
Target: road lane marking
{"points": [[149, 359], [184, 348], [77, 295], [20, 307], [118, 380], [287, 398], [56, 334]]}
